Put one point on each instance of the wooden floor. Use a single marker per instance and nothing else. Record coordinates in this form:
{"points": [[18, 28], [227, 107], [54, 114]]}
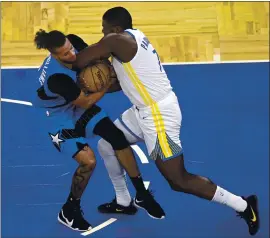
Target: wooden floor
{"points": [[180, 31]]}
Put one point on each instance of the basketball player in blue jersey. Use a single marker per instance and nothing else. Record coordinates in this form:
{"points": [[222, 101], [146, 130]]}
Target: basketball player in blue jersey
{"points": [[155, 118], [73, 116]]}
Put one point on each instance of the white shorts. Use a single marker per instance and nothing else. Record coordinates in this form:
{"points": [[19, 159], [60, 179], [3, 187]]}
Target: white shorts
{"points": [[158, 125]]}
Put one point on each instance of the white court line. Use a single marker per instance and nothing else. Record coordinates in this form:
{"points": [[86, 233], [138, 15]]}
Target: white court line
{"points": [[168, 63], [20, 67], [140, 153], [62, 175], [16, 101], [146, 184], [217, 62], [102, 225]]}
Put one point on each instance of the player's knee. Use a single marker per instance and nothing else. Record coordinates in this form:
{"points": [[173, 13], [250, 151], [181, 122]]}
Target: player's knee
{"points": [[90, 161], [180, 183], [104, 148], [117, 139], [107, 130], [86, 157]]}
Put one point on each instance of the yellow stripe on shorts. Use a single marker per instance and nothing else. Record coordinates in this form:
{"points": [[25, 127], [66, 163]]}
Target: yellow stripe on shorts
{"points": [[158, 120]]}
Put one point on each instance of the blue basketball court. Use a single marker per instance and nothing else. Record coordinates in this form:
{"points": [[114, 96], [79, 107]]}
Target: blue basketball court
{"points": [[225, 135]]}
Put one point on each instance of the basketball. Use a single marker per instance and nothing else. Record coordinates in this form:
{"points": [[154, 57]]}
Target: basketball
{"points": [[95, 77]]}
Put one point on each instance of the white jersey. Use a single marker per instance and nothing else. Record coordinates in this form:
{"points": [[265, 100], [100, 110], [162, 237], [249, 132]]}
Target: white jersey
{"points": [[143, 79]]}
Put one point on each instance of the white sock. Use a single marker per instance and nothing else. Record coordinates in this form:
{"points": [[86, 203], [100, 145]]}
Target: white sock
{"points": [[122, 194], [224, 197], [116, 173]]}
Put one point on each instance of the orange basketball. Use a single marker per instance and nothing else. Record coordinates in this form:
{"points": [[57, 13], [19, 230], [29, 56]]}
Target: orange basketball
{"points": [[95, 77]]}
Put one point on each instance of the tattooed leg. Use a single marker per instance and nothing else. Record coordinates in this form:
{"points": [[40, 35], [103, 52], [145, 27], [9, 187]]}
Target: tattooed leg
{"points": [[80, 179], [87, 163], [71, 214]]}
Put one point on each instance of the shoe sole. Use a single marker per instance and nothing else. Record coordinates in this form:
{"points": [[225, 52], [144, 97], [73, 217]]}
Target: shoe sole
{"points": [[65, 224], [157, 218], [118, 213]]}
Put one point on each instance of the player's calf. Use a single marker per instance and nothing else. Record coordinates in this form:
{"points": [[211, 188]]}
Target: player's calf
{"points": [[71, 214], [87, 163], [182, 181]]}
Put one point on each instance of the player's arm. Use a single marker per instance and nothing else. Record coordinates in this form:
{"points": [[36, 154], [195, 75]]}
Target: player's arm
{"points": [[63, 85], [87, 101], [117, 44]]}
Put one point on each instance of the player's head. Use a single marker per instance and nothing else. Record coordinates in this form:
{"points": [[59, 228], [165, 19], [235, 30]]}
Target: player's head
{"points": [[57, 43], [116, 20]]}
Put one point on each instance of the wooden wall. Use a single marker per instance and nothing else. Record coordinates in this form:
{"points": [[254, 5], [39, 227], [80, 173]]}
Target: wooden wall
{"points": [[181, 31]]}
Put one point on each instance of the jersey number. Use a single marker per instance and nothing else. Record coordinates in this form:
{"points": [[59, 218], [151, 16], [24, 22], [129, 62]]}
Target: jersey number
{"points": [[160, 66]]}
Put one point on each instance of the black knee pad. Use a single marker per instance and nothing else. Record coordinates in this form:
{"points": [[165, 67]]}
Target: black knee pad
{"points": [[117, 139], [106, 129]]}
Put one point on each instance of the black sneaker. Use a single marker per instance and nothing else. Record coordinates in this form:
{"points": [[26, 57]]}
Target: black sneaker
{"points": [[113, 207], [147, 202], [71, 216], [251, 214]]}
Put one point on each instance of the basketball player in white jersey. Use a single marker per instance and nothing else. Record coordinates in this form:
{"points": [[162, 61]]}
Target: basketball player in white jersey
{"points": [[155, 117]]}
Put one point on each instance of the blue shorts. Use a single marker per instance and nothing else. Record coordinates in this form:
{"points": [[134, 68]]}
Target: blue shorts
{"points": [[68, 131]]}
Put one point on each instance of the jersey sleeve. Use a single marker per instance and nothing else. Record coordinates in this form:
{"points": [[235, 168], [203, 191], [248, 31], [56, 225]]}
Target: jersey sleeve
{"points": [[64, 86], [77, 42]]}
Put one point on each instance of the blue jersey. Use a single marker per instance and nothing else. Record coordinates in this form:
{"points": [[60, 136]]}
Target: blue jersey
{"points": [[45, 98]]}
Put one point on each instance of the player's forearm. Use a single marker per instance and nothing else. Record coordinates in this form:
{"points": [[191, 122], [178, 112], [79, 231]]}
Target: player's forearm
{"points": [[90, 55], [93, 98]]}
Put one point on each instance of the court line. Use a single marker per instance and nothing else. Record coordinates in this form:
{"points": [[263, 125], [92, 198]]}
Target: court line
{"points": [[62, 175], [140, 153], [16, 101], [146, 184], [168, 63], [218, 62], [101, 226]]}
